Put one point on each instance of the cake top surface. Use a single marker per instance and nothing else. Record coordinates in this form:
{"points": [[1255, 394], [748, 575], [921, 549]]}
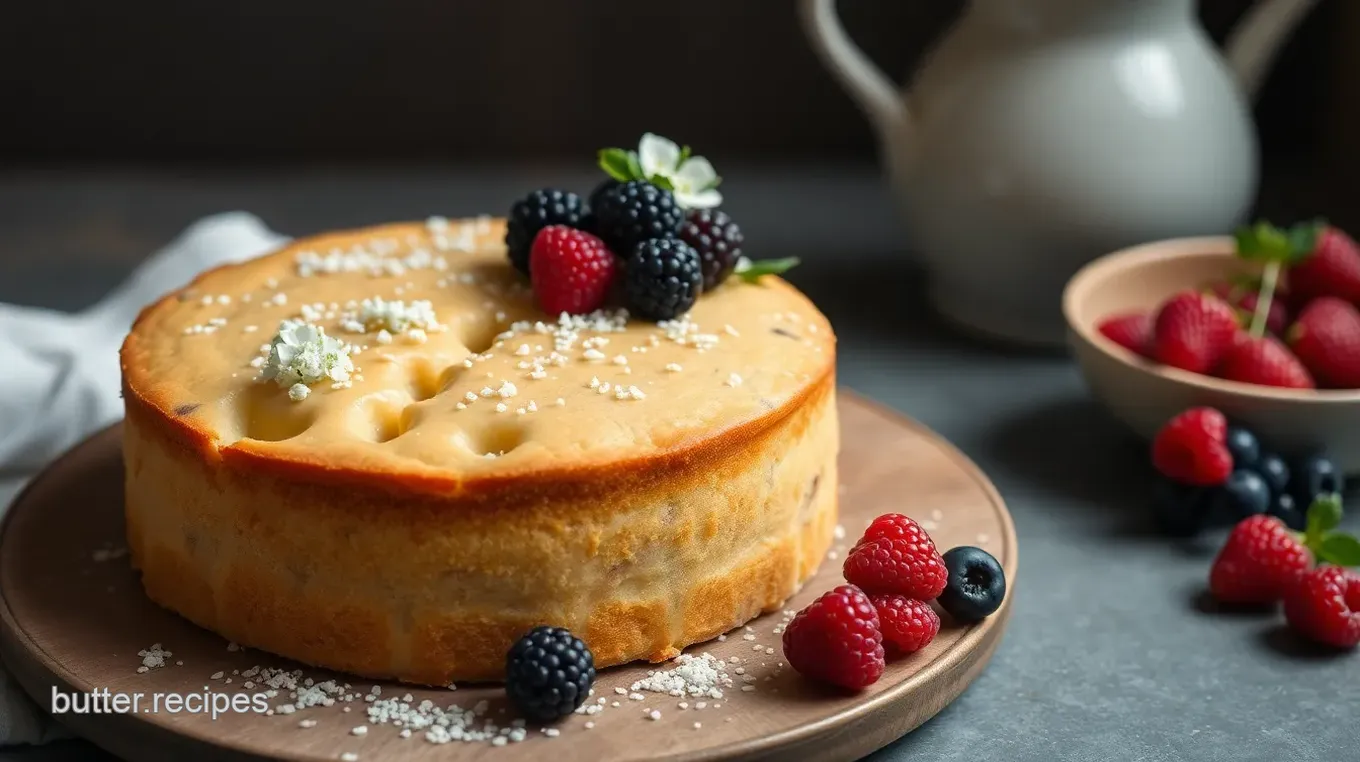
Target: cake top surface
{"points": [[435, 361]]}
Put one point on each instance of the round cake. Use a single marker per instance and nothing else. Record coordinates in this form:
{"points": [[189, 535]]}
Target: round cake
{"points": [[370, 451]]}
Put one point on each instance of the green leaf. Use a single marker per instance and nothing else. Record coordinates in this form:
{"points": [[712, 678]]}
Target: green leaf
{"points": [[1323, 516], [1303, 238], [1263, 242], [685, 153], [619, 164], [661, 182], [751, 272], [634, 167], [1340, 549]]}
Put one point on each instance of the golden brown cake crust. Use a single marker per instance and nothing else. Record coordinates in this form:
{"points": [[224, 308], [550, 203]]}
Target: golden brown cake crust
{"points": [[644, 524]]}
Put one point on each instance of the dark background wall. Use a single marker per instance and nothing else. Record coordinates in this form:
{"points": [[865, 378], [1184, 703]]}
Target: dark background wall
{"points": [[478, 80]]}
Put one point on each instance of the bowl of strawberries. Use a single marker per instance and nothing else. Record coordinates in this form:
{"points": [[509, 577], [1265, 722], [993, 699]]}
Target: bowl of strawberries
{"points": [[1263, 325]]}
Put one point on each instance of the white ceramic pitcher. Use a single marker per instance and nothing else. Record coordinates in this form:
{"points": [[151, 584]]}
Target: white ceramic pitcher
{"points": [[1040, 134]]}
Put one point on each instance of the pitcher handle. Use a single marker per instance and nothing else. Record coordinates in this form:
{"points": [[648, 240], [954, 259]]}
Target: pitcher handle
{"points": [[870, 88], [1252, 45]]}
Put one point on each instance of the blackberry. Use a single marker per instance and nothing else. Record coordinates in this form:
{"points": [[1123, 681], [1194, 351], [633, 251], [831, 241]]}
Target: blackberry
{"points": [[636, 211], [662, 279], [601, 189], [718, 240], [534, 212], [548, 673]]}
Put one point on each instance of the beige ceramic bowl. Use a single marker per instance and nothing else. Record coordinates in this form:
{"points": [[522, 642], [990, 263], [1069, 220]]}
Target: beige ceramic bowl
{"points": [[1144, 394]]}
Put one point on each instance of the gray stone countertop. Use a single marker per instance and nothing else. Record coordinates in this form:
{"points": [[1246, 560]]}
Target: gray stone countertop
{"points": [[1111, 653]]}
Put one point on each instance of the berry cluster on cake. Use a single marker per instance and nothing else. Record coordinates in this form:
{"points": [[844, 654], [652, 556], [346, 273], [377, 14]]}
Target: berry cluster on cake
{"points": [[394, 451]]}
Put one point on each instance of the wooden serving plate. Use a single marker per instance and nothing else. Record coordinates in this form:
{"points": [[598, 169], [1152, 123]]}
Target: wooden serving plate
{"points": [[72, 619]]}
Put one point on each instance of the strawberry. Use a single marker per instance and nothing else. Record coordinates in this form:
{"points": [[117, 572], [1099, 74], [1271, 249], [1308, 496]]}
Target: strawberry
{"points": [[1258, 563], [836, 640], [1326, 337], [1264, 361], [1332, 268], [571, 270], [1324, 606], [1132, 331], [1244, 294], [1193, 330], [1191, 448]]}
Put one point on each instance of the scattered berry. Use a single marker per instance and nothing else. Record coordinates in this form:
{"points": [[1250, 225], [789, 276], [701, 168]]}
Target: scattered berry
{"points": [[836, 639], [1326, 338], [718, 240], [1264, 361], [1314, 476], [1258, 563], [1244, 447], [1324, 606], [1333, 269], [977, 584], [663, 279], [1283, 507], [548, 673], [1273, 469], [907, 625], [534, 212], [1243, 494], [1192, 331], [571, 270], [895, 526], [1131, 331], [629, 213], [1181, 510], [1190, 448], [908, 565]]}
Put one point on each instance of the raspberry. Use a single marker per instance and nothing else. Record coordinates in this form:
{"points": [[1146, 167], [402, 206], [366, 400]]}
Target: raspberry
{"points": [[534, 212], [907, 625], [571, 270], [635, 211], [548, 673], [1324, 605], [1193, 330], [836, 640], [663, 279], [1260, 561], [907, 566], [1190, 448], [718, 240], [894, 526]]}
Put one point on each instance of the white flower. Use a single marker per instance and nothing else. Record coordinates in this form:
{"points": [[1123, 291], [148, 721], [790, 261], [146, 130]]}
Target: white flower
{"points": [[693, 179]]}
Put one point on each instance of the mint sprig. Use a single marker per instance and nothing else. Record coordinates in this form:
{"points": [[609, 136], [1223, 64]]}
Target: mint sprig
{"points": [[621, 164], [1277, 248], [751, 270], [1320, 537]]}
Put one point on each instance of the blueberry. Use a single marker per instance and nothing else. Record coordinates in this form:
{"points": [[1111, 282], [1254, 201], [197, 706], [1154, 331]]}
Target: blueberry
{"points": [[1181, 510], [1244, 446], [976, 585], [1283, 507], [1272, 468], [1244, 494], [1315, 475]]}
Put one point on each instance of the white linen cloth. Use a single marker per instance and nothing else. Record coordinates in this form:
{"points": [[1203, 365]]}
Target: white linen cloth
{"points": [[60, 381]]}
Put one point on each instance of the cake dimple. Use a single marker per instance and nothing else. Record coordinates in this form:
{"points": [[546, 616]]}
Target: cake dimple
{"points": [[496, 389]]}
